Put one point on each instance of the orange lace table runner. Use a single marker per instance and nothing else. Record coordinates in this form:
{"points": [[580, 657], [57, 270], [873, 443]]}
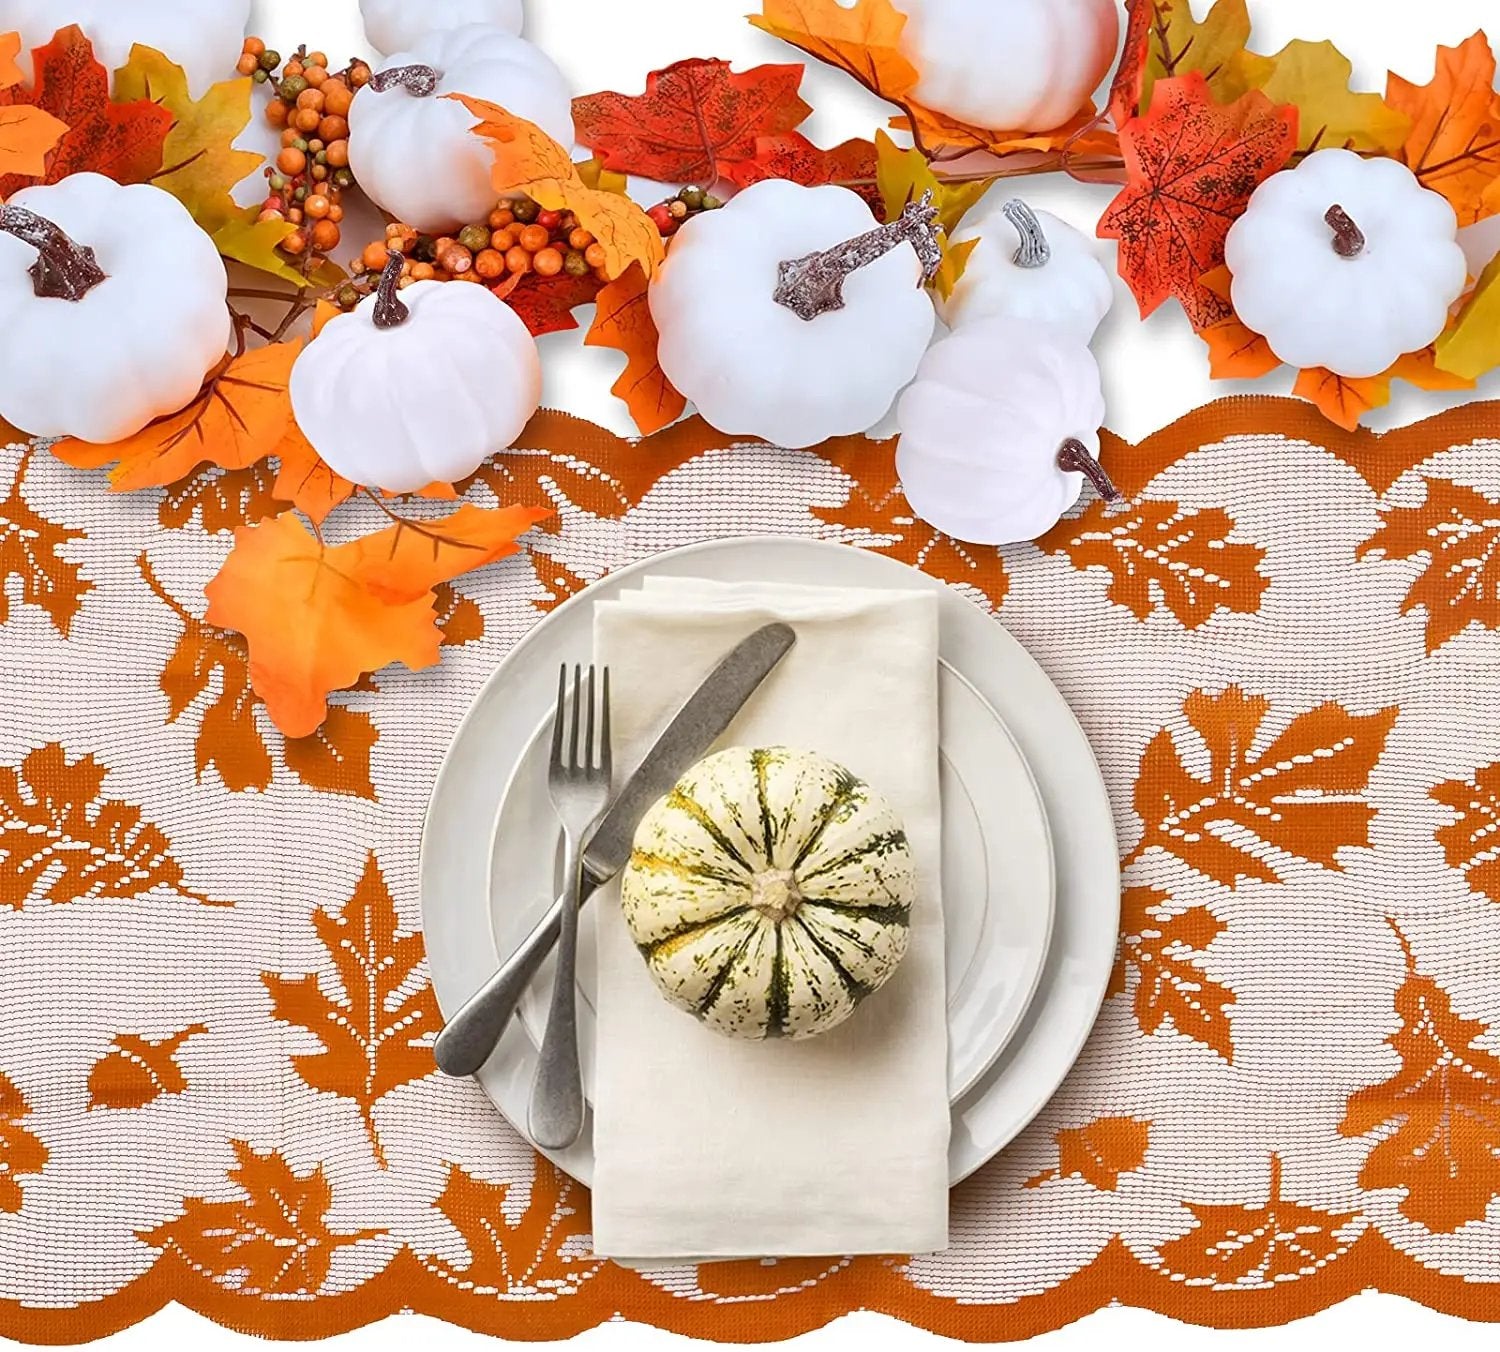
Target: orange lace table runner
{"points": [[216, 1083]]}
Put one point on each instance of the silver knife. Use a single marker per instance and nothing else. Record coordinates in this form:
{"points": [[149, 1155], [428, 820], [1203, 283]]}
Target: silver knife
{"points": [[470, 1036]]}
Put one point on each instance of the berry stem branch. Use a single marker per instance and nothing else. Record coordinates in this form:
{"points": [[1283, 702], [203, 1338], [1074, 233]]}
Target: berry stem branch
{"points": [[63, 269]]}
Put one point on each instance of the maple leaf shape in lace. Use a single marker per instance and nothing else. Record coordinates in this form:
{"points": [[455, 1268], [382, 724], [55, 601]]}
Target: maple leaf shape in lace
{"points": [[28, 550], [1099, 1152], [273, 1241], [1472, 843], [1160, 947], [1439, 1114], [1257, 1246], [546, 1251], [1302, 796], [222, 499], [1457, 531], [21, 1150], [62, 841], [373, 1025], [1163, 554]]}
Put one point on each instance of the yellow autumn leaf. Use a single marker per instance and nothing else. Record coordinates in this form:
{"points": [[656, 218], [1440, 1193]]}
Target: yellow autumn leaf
{"points": [[1315, 77], [903, 176], [1214, 45], [528, 160], [1471, 345]]}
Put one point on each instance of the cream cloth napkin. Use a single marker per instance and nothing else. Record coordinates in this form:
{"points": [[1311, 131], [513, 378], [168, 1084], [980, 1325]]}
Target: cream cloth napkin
{"points": [[706, 1147]]}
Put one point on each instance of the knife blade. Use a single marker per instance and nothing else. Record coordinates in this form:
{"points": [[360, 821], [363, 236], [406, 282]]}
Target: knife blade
{"points": [[470, 1036]]}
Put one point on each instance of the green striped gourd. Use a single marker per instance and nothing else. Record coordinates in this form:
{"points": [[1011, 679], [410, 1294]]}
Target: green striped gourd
{"points": [[770, 892]]}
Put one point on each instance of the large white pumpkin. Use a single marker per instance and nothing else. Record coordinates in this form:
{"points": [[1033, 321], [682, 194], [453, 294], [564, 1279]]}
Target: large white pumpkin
{"points": [[999, 430], [204, 37], [123, 336], [756, 367], [1028, 265], [1009, 65], [1345, 263], [476, 366], [411, 147], [398, 25], [770, 892]]}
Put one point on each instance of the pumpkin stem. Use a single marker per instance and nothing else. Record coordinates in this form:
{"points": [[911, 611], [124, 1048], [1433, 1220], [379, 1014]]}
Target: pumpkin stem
{"points": [[390, 310], [420, 82], [775, 895], [1034, 252], [814, 285], [1073, 457], [1348, 238], [63, 270]]}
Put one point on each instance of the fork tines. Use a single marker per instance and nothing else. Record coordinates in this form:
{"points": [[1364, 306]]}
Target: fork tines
{"points": [[582, 718]]}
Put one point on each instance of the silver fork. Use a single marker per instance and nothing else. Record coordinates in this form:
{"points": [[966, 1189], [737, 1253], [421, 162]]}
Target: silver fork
{"points": [[580, 793]]}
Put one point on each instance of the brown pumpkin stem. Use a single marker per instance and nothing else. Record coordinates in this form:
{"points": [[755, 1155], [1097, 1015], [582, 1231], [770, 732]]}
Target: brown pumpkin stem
{"points": [[1348, 238], [814, 285], [390, 310], [63, 270], [1074, 458], [420, 82], [1034, 252]]}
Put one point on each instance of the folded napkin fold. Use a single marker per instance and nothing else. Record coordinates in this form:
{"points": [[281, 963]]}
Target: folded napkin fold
{"points": [[707, 1147]]}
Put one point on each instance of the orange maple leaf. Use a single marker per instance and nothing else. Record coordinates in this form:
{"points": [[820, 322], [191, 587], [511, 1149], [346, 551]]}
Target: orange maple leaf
{"points": [[1439, 1114], [137, 1070], [1234, 352], [61, 840], [1345, 401], [862, 39], [528, 160], [272, 1241], [1454, 143], [543, 1252], [10, 71], [1080, 135], [877, 508], [221, 499], [1160, 947], [371, 1028], [21, 1150], [1099, 1152], [239, 417], [1458, 531], [27, 136], [317, 617], [1257, 1246], [1472, 843], [28, 550], [1161, 553], [304, 480], [623, 322], [1302, 795]]}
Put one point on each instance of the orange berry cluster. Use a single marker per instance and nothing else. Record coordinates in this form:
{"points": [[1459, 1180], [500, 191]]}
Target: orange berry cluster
{"points": [[310, 108]]}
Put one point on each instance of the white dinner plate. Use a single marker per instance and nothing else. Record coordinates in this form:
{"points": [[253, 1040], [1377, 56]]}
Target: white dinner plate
{"points": [[996, 880], [495, 738]]}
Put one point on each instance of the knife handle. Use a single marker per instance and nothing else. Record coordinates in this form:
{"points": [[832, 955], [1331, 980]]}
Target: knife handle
{"points": [[470, 1036]]}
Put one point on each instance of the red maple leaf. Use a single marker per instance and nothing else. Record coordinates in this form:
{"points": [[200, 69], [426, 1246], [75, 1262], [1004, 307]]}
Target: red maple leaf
{"points": [[695, 120], [791, 155], [1192, 165], [546, 304], [121, 140]]}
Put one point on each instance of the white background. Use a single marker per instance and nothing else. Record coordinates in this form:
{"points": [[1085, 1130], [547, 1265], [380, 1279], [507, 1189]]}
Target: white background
{"points": [[1154, 373]]}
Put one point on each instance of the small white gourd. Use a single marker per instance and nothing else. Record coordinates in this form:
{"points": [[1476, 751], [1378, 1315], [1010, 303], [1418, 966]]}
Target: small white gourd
{"points": [[480, 373], [1345, 263], [411, 147], [785, 316], [1028, 265], [999, 431], [398, 25], [113, 308], [770, 892], [1009, 65]]}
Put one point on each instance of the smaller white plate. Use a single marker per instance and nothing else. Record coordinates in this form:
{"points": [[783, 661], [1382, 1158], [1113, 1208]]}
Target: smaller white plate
{"points": [[997, 884]]}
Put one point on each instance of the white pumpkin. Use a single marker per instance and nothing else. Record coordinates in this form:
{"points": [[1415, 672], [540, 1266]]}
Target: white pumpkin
{"points": [[112, 305], [1009, 65], [1028, 265], [204, 37], [1345, 263], [477, 365], [410, 146], [999, 430], [398, 25], [770, 892], [773, 326]]}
